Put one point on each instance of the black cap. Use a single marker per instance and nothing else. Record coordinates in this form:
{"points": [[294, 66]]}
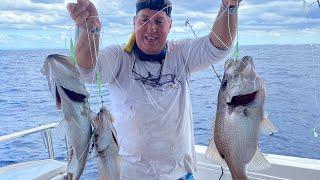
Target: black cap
{"points": [[159, 5]]}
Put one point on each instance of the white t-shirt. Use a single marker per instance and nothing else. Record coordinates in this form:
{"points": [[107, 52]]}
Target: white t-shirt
{"points": [[154, 120]]}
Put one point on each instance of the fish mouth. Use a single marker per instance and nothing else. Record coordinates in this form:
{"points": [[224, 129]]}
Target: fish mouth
{"points": [[243, 100], [73, 96], [58, 99]]}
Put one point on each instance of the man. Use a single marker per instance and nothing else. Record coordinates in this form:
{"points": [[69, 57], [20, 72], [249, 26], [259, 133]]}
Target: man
{"points": [[149, 87]]}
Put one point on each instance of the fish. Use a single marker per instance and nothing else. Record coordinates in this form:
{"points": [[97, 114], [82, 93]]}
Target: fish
{"points": [[106, 145], [71, 99], [239, 119]]}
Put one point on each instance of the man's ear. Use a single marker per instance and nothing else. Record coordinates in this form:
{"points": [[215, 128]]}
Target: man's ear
{"points": [[134, 20], [170, 24]]}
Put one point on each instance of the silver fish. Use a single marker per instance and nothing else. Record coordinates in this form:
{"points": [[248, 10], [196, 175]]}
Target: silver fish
{"points": [[71, 96], [239, 118], [106, 145]]}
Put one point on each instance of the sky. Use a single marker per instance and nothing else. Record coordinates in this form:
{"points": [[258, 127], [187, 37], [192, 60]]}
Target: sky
{"points": [[46, 24]]}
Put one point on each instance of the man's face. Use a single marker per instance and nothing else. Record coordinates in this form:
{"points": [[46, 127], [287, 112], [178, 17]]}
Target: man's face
{"points": [[151, 29]]}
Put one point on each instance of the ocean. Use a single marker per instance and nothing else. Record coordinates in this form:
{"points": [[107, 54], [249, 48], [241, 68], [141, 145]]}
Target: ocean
{"points": [[292, 81]]}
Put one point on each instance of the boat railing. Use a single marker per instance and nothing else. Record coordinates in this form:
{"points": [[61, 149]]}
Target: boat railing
{"points": [[45, 130]]}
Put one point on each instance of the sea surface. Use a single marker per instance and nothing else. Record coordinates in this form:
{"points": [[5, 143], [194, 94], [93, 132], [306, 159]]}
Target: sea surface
{"points": [[292, 81]]}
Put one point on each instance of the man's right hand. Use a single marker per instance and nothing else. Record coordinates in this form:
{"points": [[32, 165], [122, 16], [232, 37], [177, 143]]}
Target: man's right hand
{"points": [[84, 14]]}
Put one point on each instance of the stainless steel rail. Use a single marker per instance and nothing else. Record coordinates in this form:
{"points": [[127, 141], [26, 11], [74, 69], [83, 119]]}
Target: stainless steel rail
{"points": [[46, 134]]}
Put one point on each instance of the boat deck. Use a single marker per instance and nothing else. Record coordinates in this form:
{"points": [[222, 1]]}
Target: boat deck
{"points": [[41, 169], [282, 167]]}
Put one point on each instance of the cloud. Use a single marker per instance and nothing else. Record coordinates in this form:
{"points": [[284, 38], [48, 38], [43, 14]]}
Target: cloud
{"points": [[274, 34], [265, 18], [36, 37], [30, 15], [47, 1], [29, 6], [4, 39]]}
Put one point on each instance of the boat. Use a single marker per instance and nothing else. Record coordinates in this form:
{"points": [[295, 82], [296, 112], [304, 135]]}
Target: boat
{"points": [[282, 167]]}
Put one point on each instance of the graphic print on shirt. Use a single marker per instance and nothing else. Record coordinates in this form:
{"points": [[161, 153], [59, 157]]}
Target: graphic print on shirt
{"points": [[151, 75]]}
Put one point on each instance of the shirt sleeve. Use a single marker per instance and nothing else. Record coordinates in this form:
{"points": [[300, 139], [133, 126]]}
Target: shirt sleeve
{"points": [[108, 65], [198, 54]]}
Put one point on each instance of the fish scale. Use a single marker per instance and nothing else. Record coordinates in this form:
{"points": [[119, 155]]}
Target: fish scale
{"points": [[71, 97], [239, 116]]}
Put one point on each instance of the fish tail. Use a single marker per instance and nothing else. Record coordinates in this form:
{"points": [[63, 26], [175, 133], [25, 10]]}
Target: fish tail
{"points": [[238, 172]]}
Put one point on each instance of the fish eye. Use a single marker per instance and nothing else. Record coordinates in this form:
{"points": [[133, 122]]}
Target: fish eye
{"points": [[224, 84]]}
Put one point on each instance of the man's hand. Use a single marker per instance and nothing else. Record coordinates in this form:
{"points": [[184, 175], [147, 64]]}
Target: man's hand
{"points": [[227, 3], [84, 14], [225, 26]]}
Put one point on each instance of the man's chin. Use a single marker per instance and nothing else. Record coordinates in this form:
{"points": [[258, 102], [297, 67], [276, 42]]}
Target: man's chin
{"points": [[151, 51]]}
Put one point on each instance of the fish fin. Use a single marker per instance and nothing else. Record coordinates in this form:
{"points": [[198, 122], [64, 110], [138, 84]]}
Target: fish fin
{"points": [[72, 161], [258, 162], [266, 126], [92, 117], [213, 124], [212, 152]]}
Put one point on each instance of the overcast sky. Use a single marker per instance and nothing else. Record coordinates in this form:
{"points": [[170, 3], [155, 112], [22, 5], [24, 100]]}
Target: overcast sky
{"points": [[46, 23]]}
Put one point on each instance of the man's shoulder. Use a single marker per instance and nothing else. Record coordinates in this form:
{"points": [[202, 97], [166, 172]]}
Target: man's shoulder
{"points": [[181, 43], [177, 42], [115, 52], [113, 48], [175, 45]]}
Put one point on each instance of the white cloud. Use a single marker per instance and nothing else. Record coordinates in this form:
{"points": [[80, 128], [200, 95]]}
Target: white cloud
{"points": [[4, 39], [265, 18], [37, 37], [274, 34], [27, 5], [178, 29], [26, 18]]}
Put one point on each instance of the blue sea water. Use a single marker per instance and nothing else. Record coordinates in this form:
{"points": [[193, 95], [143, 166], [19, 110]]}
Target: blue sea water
{"points": [[292, 81]]}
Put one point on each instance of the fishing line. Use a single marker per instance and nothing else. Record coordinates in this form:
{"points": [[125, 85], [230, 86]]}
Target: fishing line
{"points": [[62, 123], [185, 64], [211, 31], [95, 67], [152, 101], [306, 5], [221, 173], [311, 3], [150, 97], [71, 51], [96, 74], [95, 64], [194, 33]]}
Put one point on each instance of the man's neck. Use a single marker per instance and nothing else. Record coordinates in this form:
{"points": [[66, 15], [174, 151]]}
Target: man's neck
{"points": [[146, 57]]}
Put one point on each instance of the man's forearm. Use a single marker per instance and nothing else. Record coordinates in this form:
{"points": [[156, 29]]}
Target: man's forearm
{"points": [[87, 49], [224, 29]]}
